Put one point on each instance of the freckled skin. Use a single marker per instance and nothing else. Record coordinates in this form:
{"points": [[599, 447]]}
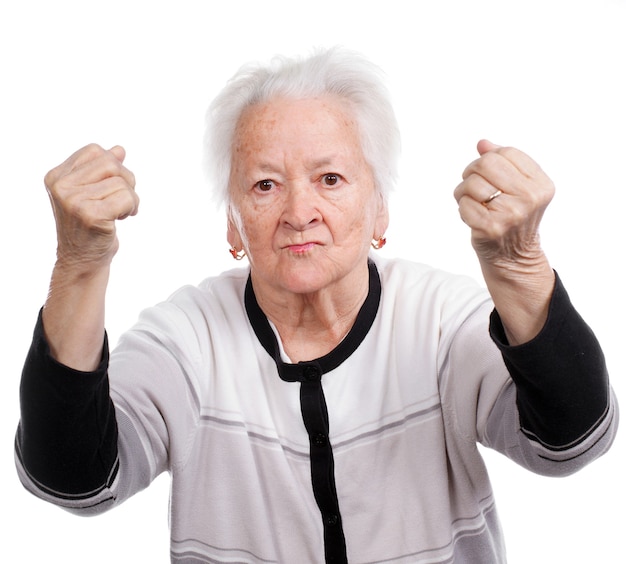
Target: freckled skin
{"points": [[304, 232]]}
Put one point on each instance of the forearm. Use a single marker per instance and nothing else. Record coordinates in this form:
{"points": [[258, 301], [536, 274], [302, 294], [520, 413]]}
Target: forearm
{"points": [[502, 198], [561, 380], [73, 316], [89, 192], [67, 437], [521, 294]]}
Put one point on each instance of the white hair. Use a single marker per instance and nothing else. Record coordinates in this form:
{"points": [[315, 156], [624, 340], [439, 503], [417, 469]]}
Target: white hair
{"points": [[337, 72]]}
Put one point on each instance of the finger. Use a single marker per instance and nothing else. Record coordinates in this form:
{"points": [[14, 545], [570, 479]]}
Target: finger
{"points": [[494, 166], [120, 204], [522, 162], [90, 172], [498, 173], [518, 159], [81, 159], [75, 159], [108, 188], [473, 214], [484, 146], [478, 189], [487, 223], [119, 152], [104, 165], [111, 199]]}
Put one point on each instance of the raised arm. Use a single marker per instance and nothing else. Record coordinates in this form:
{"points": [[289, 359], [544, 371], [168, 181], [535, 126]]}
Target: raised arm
{"points": [[502, 198], [561, 412], [66, 442], [89, 192]]}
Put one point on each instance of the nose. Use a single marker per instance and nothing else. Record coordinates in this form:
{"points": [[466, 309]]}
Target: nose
{"points": [[301, 209]]}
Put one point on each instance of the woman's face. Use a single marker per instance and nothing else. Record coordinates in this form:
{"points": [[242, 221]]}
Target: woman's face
{"points": [[305, 207]]}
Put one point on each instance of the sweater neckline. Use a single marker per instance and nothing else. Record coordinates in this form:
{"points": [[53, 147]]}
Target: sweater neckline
{"points": [[298, 372]]}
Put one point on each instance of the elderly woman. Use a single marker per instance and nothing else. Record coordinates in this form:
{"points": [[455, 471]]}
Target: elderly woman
{"points": [[324, 403]]}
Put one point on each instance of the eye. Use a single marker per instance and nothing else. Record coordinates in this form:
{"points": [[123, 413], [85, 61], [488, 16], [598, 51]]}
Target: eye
{"points": [[330, 179], [264, 185]]}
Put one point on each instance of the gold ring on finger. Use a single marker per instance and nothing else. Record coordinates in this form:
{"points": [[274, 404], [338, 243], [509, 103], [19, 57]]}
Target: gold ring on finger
{"points": [[492, 197]]}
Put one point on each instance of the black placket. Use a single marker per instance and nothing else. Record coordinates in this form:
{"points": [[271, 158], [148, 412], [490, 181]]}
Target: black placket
{"points": [[313, 405]]}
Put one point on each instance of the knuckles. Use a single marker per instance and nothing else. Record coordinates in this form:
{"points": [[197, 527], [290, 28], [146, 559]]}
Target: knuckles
{"points": [[90, 190], [508, 227]]}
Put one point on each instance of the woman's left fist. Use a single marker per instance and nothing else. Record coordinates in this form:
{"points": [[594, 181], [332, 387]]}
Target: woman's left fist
{"points": [[502, 198]]}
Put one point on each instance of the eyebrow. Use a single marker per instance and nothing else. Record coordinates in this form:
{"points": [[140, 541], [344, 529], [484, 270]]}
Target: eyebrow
{"points": [[323, 162], [265, 167], [270, 168]]}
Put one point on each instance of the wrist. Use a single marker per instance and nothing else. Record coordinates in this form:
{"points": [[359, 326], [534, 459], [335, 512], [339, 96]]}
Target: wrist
{"points": [[521, 294], [73, 315]]}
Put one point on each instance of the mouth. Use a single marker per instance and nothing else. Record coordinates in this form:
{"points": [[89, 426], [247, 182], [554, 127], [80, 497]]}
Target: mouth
{"points": [[302, 248]]}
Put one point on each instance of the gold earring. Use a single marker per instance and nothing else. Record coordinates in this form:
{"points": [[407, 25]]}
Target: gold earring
{"points": [[379, 243], [237, 255]]}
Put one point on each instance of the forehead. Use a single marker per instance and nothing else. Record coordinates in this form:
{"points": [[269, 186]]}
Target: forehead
{"points": [[292, 124]]}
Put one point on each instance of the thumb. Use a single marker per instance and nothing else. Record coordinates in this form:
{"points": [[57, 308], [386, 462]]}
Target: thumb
{"points": [[119, 152], [485, 146]]}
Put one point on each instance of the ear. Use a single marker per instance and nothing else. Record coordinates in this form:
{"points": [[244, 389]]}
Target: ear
{"points": [[382, 218], [233, 235]]}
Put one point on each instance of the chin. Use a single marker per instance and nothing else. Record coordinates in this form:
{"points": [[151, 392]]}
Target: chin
{"points": [[301, 283], [303, 276]]}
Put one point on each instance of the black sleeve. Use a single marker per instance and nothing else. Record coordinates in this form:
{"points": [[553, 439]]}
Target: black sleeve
{"points": [[67, 435], [560, 376]]}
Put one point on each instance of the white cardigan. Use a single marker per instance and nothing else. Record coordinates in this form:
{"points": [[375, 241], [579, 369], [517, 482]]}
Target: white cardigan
{"points": [[197, 395]]}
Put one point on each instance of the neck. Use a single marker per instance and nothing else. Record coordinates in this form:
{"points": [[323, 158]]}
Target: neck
{"points": [[313, 324]]}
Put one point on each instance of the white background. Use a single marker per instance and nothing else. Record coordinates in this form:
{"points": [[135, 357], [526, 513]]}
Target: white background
{"points": [[547, 77]]}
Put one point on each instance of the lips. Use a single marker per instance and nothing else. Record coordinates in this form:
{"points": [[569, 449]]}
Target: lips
{"points": [[301, 248]]}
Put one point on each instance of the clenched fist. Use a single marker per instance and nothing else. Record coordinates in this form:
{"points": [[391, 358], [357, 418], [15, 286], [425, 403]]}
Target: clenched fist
{"points": [[89, 192], [502, 198]]}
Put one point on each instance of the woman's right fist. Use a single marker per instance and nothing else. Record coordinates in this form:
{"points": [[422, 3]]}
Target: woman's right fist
{"points": [[89, 192]]}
